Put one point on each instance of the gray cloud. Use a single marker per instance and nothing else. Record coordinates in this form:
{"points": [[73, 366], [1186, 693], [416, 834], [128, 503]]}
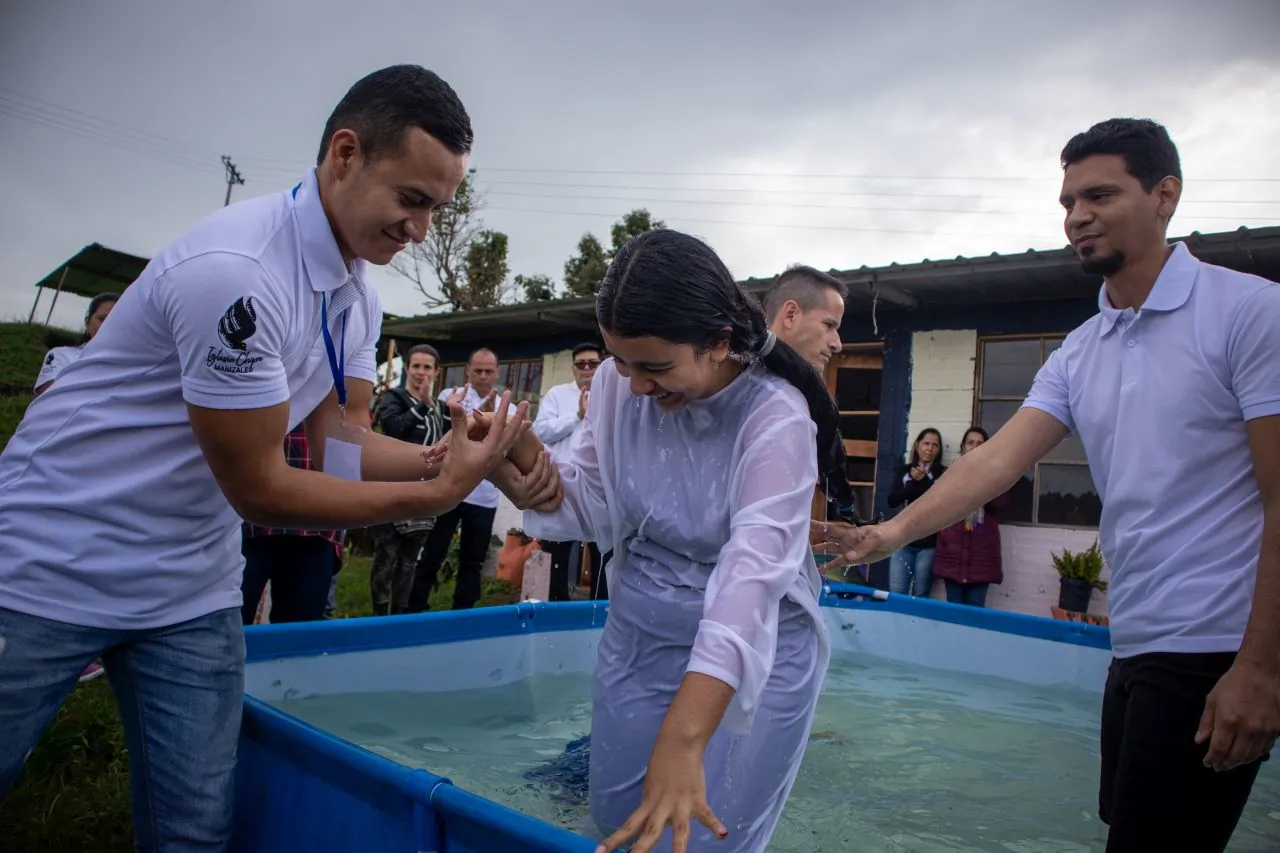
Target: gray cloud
{"points": [[983, 91]]}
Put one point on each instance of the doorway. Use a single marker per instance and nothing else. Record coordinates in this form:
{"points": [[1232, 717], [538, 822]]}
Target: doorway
{"points": [[854, 379]]}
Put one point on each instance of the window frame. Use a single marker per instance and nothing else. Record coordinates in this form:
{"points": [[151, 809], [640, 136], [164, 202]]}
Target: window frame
{"points": [[534, 397], [1045, 339]]}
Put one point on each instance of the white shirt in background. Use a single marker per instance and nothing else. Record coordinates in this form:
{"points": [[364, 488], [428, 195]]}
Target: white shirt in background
{"points": [[486, 494], [558, 424], [55, 361]]}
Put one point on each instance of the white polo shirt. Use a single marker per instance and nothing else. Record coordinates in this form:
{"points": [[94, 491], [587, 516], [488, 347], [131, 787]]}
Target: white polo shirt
{"points": [[485, 494], [1160, 398], [109, 514], [558, 424], [56, 361]]}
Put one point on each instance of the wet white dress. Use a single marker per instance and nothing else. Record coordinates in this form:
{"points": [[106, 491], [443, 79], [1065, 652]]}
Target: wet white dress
{"points": [[706, 510]]}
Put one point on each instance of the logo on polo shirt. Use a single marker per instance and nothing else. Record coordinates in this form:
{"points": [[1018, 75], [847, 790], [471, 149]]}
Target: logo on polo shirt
{"points": [[238, 324], [48, 359], [235, 327]]}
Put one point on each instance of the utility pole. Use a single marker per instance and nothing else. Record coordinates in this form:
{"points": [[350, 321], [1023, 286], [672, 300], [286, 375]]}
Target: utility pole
{"points": [[233, 177]]}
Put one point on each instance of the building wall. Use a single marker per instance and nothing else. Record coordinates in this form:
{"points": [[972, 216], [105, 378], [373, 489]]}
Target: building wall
{"points": [[942, 377], [943, 369], [557, 368]]}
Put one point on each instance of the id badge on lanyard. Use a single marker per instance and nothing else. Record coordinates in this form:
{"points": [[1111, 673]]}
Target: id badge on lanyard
{"points": [[342, 440]]}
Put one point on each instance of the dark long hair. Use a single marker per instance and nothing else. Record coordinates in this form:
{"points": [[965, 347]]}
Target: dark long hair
{"points": [[94, 304], [673, 286], [935, 467]]}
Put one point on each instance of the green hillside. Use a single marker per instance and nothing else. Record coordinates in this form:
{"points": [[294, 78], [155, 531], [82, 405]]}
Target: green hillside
{"points": [[22, 348]]}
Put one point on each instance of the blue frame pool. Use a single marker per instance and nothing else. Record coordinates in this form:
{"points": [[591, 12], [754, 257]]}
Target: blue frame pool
{"points": [[302, 789]]}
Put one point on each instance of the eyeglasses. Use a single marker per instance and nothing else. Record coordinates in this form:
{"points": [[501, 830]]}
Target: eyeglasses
{"points": [[586, 365]]}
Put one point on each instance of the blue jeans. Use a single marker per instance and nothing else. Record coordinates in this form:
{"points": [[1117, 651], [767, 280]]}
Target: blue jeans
{"points": [[911, 571], [180, 690], [972, 594]]}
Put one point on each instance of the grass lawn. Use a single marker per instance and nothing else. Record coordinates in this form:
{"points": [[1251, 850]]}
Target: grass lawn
{"points": [[74, 790]]}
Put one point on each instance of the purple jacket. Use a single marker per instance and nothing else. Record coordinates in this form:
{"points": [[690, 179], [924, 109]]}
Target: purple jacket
{"points": [[968, 551]]}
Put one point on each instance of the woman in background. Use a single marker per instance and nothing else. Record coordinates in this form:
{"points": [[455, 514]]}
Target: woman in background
{"points": [[911, 569], [57, 359], [968, 552]]}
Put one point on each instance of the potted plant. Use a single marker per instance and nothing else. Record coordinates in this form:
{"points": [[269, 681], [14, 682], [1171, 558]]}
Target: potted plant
{"points": [[1080, 574]]}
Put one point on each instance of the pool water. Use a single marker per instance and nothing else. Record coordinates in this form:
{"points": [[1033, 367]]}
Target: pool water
{"points": [[902, 758]]}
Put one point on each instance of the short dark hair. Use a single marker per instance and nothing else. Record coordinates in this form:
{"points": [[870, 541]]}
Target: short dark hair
{"points": [[422, 349], [585, 347], [481, 351], [98, 301], [803, 285], [1148, 152], [383, 105]]}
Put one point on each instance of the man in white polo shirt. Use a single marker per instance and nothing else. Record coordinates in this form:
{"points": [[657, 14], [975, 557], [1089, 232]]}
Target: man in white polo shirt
{"points": [[1174, 388], [475, 514], [122, 491], [560, 414]]}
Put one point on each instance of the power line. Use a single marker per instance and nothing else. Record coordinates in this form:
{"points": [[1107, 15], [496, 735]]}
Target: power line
{"points": [[801, 226], [830, 207], [188, 148], [821, 192]]}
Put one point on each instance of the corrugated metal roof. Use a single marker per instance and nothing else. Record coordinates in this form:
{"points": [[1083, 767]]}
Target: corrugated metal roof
{"points": [[985, 279]]}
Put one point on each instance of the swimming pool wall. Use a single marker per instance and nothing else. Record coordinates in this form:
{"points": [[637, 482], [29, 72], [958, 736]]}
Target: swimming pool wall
{"points": [[302, 789]]}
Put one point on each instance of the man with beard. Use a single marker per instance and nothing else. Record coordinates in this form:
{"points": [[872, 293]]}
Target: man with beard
{"points": [[1174, 389]]}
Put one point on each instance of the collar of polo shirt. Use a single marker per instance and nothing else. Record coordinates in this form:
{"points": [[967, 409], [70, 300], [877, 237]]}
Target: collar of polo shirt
{"points": [[1171, 291], [321, 256]]}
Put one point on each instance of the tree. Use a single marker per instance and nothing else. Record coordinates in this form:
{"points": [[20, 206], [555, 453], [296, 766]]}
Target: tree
{"points": [[537, 288], [455, 267], [584, 272], [486, 271], [633, 224]]}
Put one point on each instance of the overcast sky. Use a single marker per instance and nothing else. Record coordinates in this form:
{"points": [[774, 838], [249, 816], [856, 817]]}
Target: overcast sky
{"points": [[835, 134]]}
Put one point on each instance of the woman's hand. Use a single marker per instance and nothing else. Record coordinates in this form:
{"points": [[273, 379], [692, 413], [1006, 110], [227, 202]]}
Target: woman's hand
{"points": [[675, 793]]}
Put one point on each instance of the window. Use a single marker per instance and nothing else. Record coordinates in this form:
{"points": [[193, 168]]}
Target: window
{"points": [[1058, 491], [523, 378]]}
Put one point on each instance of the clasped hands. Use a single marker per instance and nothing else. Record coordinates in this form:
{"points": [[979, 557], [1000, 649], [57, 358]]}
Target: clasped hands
{"points": [[537, 488], [850, 545]]}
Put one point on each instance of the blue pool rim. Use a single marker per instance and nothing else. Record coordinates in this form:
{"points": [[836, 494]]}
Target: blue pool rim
{"points": [[437, 814], [337, 636]]}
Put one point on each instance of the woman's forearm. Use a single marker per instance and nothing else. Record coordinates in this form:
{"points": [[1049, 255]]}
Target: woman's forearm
{"points": [[696, 711]]}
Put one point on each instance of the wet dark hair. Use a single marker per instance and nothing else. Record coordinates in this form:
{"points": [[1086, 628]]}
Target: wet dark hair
{"points": [[935, 467], [1148, 152], [805, 286], [422, 349], [381, 106], [673, 286]]}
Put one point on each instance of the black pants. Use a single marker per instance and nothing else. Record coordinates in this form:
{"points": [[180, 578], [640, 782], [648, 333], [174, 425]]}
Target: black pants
{"points": [[564, 568], [473, 547], [1156, 794], [300, 569]]}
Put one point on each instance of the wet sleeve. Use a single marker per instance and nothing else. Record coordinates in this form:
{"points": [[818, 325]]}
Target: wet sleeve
{"points": [[228, 325], [1253, 353], [767, 551], [583, 515], [1051, 391]]}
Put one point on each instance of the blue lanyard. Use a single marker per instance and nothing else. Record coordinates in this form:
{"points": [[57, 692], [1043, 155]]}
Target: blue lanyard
{"points": [[337, 361]]}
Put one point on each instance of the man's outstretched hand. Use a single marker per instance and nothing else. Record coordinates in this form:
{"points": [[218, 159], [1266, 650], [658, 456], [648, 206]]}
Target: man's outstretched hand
{"points": [[852, 546]]}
